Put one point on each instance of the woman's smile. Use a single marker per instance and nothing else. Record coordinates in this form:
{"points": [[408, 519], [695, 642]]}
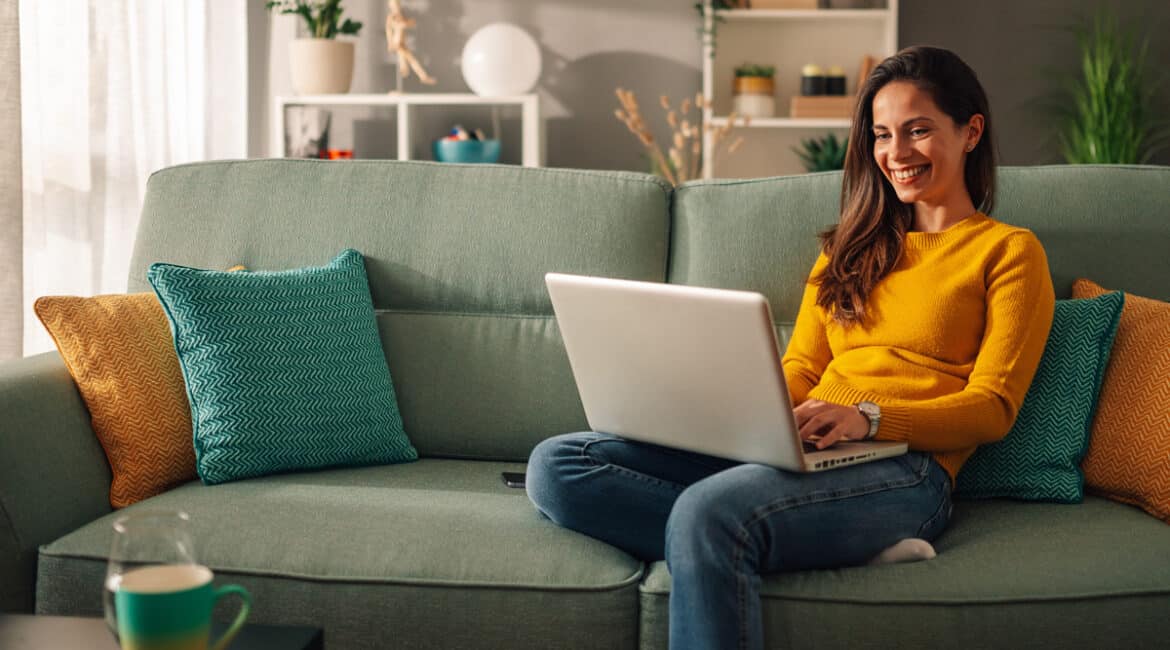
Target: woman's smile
{"points": [[909, 175]]}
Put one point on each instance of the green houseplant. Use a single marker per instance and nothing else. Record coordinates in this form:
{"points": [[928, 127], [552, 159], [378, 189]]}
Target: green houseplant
{"points": [[322, 18], [320, 64], [822, 154], [1106, 113], [707, 31]]}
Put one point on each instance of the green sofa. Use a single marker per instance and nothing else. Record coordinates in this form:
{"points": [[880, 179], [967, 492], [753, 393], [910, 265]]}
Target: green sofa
{"points": [[439, 553]]}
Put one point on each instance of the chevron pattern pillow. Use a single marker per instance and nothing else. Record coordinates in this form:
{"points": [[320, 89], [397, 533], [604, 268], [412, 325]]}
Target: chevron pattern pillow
{"points": [[119, 352], [284, 370], [1039, 459], [1129, 454]]}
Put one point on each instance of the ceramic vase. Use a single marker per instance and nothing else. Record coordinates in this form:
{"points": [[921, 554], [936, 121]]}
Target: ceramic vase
{"points": [[320, 66]]}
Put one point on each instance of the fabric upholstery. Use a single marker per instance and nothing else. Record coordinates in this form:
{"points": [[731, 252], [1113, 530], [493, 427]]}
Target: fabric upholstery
{"points": [[1039, 459], [1129, 451], [432, 554], [53, 473], [119, 351], [284, 369], [486, 386], [437, 237], [456, 257], [1008, 574]]}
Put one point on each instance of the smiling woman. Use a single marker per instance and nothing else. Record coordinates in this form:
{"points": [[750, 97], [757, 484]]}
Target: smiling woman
{"points": [[923, 321]]}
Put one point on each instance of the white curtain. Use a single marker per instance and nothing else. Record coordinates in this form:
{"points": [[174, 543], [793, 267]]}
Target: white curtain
{"points": [[112, 90]]}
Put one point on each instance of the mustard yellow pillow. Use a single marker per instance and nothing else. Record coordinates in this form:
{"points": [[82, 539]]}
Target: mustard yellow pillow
{"points": [[1129, 449], [121, 355]]}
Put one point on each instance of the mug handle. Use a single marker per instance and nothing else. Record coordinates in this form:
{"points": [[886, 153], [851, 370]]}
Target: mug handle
{"points": [[246, 607]]}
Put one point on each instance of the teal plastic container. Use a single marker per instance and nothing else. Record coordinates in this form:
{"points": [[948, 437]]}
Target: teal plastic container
{"points": [[467, 151]]}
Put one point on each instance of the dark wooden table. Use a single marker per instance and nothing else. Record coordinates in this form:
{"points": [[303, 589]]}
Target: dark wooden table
{"points": [[26, 632]]}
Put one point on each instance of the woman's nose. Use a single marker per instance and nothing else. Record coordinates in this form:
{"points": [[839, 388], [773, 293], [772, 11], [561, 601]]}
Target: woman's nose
{"points": [[900, 147]]}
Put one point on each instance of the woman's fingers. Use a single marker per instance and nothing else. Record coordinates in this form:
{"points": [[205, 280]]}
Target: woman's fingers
{"points": [[825, 420], [832, 437], [808, 409], [819, 424]]}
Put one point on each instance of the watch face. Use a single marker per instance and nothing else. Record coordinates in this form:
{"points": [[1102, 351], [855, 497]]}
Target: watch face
{"points": [[869, 408]]}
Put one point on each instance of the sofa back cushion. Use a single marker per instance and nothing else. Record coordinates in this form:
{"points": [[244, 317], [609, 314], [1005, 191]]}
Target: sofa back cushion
{"points": [[1107, 222], [456, 257]]}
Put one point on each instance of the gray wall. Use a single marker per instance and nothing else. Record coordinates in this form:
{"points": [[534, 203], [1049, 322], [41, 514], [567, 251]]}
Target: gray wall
{"points": [[11, 226], [651, 47], [1015, 46]]}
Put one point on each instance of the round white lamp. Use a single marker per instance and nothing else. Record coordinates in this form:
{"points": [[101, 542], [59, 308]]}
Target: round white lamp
{"points": [[501, 59]]}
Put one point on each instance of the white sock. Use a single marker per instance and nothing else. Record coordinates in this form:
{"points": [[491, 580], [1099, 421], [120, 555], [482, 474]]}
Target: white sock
{"points": [[911, 549]]}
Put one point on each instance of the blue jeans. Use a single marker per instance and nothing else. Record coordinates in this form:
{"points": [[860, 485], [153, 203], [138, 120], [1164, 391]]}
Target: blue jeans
{"points": [[720, 524]]}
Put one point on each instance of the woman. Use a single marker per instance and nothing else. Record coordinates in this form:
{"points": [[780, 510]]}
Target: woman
{"points": [[923, 321]]}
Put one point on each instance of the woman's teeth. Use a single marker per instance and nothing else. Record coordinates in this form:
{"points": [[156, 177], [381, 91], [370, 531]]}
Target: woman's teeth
{"points": [[907, 174]]}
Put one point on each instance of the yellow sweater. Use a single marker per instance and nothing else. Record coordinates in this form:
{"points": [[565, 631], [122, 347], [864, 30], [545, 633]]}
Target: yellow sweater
{"points": [[952, 338]]}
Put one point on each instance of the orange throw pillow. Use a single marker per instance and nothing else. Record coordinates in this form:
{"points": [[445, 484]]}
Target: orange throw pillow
{"points": [[122, 357], [1129, 450]]}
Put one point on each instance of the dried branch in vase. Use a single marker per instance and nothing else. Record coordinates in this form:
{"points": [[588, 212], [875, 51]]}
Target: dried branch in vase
{"points": [[681, 160]]}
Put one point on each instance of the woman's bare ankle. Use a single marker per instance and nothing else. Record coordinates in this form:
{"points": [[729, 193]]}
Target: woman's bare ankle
{"points": [[911, 549]]}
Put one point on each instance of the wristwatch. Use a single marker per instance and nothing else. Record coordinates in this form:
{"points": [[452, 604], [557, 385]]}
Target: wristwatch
{"points": [[873, 413]]}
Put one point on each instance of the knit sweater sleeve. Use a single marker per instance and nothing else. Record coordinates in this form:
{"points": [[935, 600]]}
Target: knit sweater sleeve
{"points": [[808, 352], [1020, 306]]}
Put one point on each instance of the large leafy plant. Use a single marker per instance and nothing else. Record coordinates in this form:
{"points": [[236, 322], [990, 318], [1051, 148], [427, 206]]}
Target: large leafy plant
{"points": [[322, 17], [1107, 113]]}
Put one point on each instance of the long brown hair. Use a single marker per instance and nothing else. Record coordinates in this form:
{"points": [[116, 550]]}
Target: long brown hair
{"points": [[867, 242]]}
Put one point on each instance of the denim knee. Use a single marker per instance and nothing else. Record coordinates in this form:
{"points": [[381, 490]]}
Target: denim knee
{"points": [[702, 527], [545, 480]]}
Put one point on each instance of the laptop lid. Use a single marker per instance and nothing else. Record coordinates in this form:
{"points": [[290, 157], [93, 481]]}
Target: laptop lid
{"points": [[687, 367]]}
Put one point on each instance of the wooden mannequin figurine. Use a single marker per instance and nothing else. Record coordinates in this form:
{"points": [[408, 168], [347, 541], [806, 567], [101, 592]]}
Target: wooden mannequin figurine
{"points": [[396, 26]]}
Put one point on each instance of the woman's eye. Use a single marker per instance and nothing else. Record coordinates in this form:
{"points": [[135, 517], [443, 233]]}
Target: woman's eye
{"points": [[918, 132], [881, 136]]}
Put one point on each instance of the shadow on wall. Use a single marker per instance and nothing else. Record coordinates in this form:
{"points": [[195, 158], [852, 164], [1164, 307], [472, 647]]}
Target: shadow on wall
{"points": [[590, 136], [577, 99], [437, 41]]}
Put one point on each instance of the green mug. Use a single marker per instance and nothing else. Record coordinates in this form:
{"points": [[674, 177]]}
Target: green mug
{"points": [[168, 607]]}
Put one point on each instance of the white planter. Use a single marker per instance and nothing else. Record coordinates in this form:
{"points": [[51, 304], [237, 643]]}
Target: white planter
{"points": [[320, 66], [755, 105]]}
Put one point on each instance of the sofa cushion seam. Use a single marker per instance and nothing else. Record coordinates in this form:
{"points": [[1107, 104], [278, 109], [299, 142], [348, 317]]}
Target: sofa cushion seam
{"points": [[1153, 591], [634, 579]]}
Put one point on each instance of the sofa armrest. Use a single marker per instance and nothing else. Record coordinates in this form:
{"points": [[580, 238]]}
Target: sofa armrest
{"points": [[54, 476]]}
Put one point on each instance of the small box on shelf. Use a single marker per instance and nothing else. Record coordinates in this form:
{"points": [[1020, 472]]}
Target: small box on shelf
{"points": [[784, 4], [822, 106]]}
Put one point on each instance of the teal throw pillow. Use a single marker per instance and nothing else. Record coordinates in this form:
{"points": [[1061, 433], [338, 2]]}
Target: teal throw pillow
{"points": [[284, 370], [1040, 458]]}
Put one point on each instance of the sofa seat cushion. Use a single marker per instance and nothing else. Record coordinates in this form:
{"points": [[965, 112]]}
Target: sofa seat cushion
{"points": [[1008, 574], [428, 554]]}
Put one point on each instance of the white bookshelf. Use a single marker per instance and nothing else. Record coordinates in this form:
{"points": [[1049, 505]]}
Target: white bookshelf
{"points": [[787, 39], [532, 136]]}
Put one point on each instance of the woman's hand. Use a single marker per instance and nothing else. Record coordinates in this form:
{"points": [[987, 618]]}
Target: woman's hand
{"points": [[831, 422]]}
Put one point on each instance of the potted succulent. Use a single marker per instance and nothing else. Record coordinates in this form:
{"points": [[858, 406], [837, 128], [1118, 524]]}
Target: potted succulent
{"points": [[754, 88], [822, 154], [320, 64]]}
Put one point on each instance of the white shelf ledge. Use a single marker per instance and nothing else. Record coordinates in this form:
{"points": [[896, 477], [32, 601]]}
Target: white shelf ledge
{"points": [[531, 125], [804, 14], [397, 99], [786, 123]]}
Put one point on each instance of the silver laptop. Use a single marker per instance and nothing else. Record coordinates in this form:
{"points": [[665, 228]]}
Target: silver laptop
{"points": [[690, 368]]}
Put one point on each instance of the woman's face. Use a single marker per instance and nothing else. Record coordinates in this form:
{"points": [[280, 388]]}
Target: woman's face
{"points": [[919, 148]]}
